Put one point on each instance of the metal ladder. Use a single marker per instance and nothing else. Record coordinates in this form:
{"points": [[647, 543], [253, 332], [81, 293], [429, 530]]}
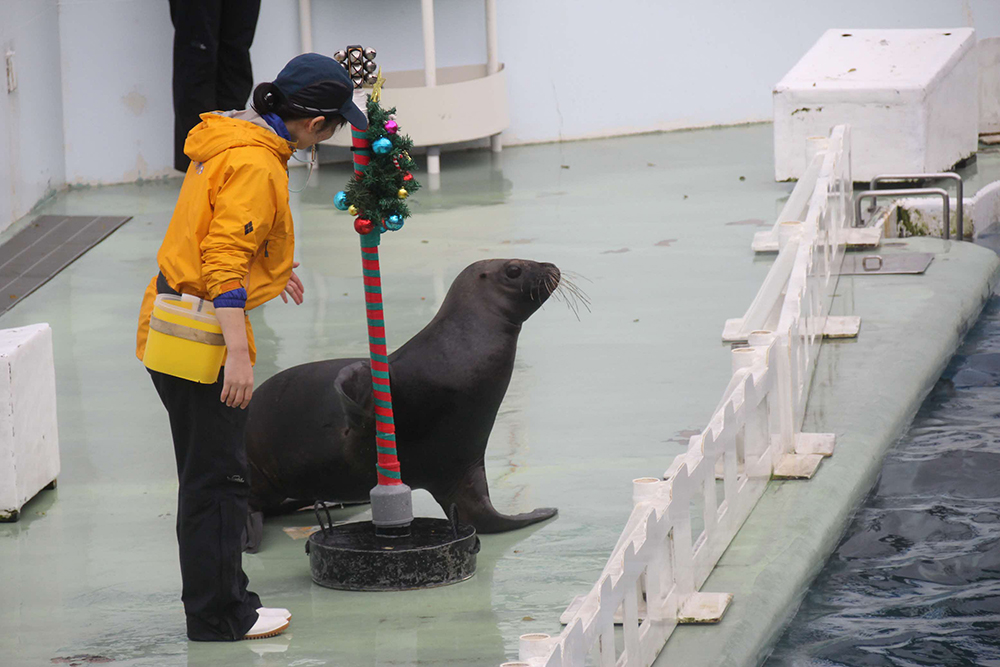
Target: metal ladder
{"points": [[873, 194]]}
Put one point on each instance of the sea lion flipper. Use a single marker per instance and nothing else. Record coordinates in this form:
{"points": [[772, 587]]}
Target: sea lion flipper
{"points": [[354, 388], [471, 496]]}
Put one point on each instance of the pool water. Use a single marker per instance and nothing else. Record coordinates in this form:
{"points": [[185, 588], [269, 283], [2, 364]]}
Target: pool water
{"points": [[916, 578]]}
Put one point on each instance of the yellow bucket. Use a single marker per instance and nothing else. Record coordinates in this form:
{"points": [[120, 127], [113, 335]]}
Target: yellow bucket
{"points": [[185, 339]]}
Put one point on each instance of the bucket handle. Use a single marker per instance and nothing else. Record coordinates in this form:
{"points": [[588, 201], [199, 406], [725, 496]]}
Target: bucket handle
{"points": [[453, 518], [316, 508]]}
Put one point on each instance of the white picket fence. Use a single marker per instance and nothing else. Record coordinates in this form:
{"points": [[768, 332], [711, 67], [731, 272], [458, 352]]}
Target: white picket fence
{"points": [[681, 525]]}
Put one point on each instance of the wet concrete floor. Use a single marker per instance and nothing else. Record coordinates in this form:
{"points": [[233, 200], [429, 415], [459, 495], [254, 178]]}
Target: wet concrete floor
{"points": [[657, 228]]}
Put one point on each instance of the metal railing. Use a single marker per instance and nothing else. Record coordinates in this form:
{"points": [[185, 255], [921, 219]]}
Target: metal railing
{"points": [[651, 583], [912, 192], [940, 176], [946, 175]]}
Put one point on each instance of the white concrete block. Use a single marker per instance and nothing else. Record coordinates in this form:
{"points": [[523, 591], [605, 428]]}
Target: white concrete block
{"points": [[29, 439], [989, 85], [911, 98]]}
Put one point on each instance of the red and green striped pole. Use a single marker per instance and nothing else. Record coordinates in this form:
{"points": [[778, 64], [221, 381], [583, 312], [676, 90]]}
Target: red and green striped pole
{"points": [[389, 507]]}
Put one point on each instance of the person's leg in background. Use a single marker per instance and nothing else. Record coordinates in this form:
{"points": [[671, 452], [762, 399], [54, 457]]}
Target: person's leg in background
{"points": [[196, 45], [212, 506], [234, 75]]}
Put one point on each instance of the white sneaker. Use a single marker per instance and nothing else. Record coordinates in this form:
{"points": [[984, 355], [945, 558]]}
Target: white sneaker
{"points": [[266, 626], [275, 611]]}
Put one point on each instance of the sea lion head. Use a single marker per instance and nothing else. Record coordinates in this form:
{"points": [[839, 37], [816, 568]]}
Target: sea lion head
{"points": [[514, 288]]}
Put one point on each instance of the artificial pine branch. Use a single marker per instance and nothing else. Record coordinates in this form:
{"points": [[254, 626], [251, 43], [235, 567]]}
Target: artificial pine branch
{"points": [[375, 194]]}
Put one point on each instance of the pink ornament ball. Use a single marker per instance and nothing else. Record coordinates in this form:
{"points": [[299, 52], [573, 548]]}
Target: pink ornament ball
{"points": [[391, 127]]}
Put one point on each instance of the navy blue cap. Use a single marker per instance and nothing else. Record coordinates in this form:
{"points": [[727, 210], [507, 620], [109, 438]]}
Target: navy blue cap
{"points": [[313, 68]]}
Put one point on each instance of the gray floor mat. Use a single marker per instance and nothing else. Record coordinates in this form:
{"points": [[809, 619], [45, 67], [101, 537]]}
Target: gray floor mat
{"points": [[45, 247]]}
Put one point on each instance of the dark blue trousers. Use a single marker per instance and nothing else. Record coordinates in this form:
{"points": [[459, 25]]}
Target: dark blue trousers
{"points": [[214, 486], [212, 70]]}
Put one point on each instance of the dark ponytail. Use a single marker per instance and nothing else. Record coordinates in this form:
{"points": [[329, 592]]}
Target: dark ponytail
{"points": [[268, 98], [307, 103]]}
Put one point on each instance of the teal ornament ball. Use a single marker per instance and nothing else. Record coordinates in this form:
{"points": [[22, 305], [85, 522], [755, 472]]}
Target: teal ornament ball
{"points": [[340, 201], [382, 146], [394, 223]]}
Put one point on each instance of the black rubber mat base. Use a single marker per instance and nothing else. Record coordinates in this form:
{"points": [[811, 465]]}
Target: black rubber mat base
{"points": [[352, 556], [45, 247]]}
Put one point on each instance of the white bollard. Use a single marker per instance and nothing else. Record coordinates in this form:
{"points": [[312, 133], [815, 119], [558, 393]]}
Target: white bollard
{"points": [[743, 357], [760, 338], [644, 488], [533, 647]]}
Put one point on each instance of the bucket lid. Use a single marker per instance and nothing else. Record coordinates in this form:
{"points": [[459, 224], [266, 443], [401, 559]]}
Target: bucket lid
{"points": [[187, 305]]}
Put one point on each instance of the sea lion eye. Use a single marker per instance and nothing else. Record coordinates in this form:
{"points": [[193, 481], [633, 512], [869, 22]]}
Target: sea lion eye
{"points": [[513, 271]]}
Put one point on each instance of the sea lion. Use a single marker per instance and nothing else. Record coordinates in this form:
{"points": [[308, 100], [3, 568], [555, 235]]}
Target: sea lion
{"points": [[310, 431]]}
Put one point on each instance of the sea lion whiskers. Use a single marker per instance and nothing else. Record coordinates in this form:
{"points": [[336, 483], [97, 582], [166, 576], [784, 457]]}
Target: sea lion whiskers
{"points": [[531, 290], [575, 275], [568, 292], [548, 280], [569, 285]]}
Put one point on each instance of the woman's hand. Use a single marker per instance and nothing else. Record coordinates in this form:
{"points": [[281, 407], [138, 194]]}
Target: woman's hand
{"points": [[238, 386], [294, 288]]}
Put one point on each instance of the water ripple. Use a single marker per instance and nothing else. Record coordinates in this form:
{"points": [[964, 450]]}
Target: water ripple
{"points": [[916, 578]]}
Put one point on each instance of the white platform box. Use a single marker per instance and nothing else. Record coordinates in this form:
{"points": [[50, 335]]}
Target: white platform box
{"points": [[467, 103], [911, 98], [29, 440]]}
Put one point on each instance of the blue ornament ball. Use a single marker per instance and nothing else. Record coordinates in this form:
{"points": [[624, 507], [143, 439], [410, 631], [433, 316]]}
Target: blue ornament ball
{"points": [[394, 222], [340, 201], [382, 146]]}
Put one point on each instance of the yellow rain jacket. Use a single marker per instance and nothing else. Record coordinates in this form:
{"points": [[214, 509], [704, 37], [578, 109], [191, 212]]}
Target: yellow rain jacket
{"points": [[232, 226]]}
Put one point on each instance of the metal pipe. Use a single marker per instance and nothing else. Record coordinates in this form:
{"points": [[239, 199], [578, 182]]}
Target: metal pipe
{"points": [[430, 57], [433, 160], [492, 58], [492, 55], [305, 26], [938, 192], [947, 175], [430, 80]]}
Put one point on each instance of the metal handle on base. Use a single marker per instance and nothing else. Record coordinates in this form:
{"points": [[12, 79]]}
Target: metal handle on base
{"points": [[871, 194]]}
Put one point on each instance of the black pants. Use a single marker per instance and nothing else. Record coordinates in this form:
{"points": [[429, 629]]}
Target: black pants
{"points": [[211, 508], [212, 70]]}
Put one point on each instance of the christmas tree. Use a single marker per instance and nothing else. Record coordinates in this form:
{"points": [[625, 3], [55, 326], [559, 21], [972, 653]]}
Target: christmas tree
{"points": [[377, 194]]}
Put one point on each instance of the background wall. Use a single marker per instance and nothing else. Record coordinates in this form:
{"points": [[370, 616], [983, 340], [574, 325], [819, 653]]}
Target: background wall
{"points": [[575, 68], [31, 132], [116, 68]]}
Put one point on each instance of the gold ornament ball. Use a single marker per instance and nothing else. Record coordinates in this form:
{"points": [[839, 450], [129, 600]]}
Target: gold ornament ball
{"points": [[402, 193], [352, 209]]}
